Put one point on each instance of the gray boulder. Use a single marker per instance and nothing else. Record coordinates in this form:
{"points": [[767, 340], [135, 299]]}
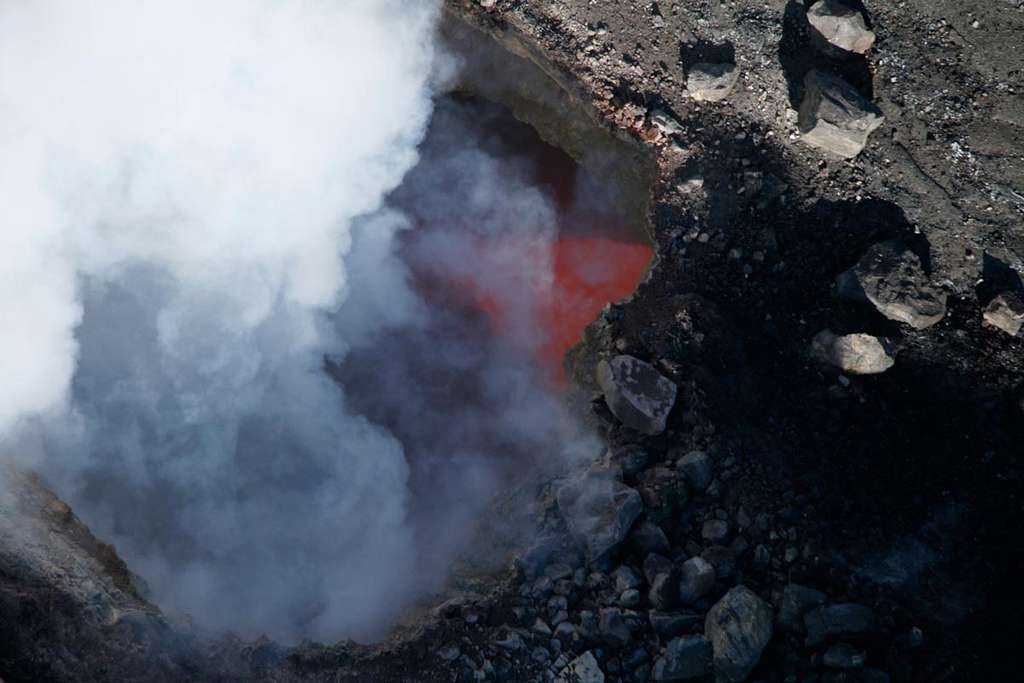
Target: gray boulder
{"points": [[856, 354], [844, 656], [663, 492], [739, 627], [655, 564], [834, 116], [843, 620], [612, 627], [670, 624], [637, 394], [838, 29], [696, 469], [625, 579], [583, 669], [632, 459], [711, 82], [715, 530], [664, 592], [696, 579], [891, 278], [1006, 312], [647, 538], [796, 601], [630, 598], [685, 658], [599, 513]]}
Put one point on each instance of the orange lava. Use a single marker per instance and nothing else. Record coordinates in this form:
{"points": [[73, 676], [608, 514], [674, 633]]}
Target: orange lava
{"points": [[588, 273], [538, 294], [578, 276]]}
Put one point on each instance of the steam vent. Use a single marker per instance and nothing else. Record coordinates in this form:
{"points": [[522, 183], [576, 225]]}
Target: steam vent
{"points": [[458, 341]]}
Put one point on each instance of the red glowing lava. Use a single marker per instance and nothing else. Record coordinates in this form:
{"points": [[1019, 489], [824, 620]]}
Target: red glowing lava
{"points": [[588, 273], [541, 287], [559, 287]]}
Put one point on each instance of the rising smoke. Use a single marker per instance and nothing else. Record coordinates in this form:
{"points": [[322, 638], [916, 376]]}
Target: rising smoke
{"points": [[196, 227]]}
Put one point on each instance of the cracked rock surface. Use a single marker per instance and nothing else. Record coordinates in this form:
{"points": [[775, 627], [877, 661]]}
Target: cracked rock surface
{"points": [[891, 278]]}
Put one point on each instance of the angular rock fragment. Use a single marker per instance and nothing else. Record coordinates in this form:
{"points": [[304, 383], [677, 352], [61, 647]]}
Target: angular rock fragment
{"points": [[834, 116], [796, 601], [890, 277], [844, 656], [739, 627], [715, 530], [599, 513], [685, 658], [1006, 312], [856, 354], [583, 669], [670, 624], [723, 559], [664, 592], [663, 492], [696, 468], [697, 578], [647, 538], [625, 579], [844, 620], [637, 394], [655, 564], [839, 29], [630, 598], [711, 82], [666, 122], [613, 629], [632, 459]]}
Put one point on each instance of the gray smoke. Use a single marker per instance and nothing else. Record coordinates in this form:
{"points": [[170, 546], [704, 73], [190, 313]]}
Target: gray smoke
{"points": [[220, 343]]}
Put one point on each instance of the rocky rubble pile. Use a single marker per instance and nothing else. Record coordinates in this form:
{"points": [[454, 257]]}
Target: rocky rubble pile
{"points": [[648, 569]]}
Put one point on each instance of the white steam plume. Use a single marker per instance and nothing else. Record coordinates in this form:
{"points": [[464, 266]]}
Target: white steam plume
{"points": [[179, 183]]}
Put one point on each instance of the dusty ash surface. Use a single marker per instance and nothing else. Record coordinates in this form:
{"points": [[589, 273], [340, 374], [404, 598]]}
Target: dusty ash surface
{"points": [[899, 491]]}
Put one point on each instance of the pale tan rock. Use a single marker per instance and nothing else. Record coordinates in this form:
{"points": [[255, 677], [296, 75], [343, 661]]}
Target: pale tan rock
{"points": [[856, 354], [840, 26], [1006, 312]]}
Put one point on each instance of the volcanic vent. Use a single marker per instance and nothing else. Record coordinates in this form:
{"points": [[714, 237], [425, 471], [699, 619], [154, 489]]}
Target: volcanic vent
{"points": [[197, 278]]}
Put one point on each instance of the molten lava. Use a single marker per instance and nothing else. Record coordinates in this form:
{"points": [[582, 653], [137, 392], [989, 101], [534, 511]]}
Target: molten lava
{"points": [[538, 284], [588, 273], [593, 260]]}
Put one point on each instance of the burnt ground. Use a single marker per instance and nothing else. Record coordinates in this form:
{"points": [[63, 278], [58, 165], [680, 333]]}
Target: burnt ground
{"points": [[900, 491]]}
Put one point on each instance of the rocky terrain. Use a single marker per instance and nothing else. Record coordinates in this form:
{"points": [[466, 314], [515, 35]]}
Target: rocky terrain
{"points": [[813, 406]]}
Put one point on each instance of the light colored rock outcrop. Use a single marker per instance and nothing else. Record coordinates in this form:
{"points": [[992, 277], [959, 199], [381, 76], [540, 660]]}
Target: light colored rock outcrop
{"points": [[739, 627], [834, 116], [599, 513], [891, 277], [685, 658], [837, 27], [856, 354], [637, 394], [1006, 312], [583, 669], [711, 82]]}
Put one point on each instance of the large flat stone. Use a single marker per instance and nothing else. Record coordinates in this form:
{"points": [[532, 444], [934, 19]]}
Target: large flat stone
{"points": [[599, 513], [1006, 312], [843, 620], [834, 116], [583, 669], [637, 394], [856, 354], [685, 658], [837, 28], [711, 82], [890, 277], [739, 627]]}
